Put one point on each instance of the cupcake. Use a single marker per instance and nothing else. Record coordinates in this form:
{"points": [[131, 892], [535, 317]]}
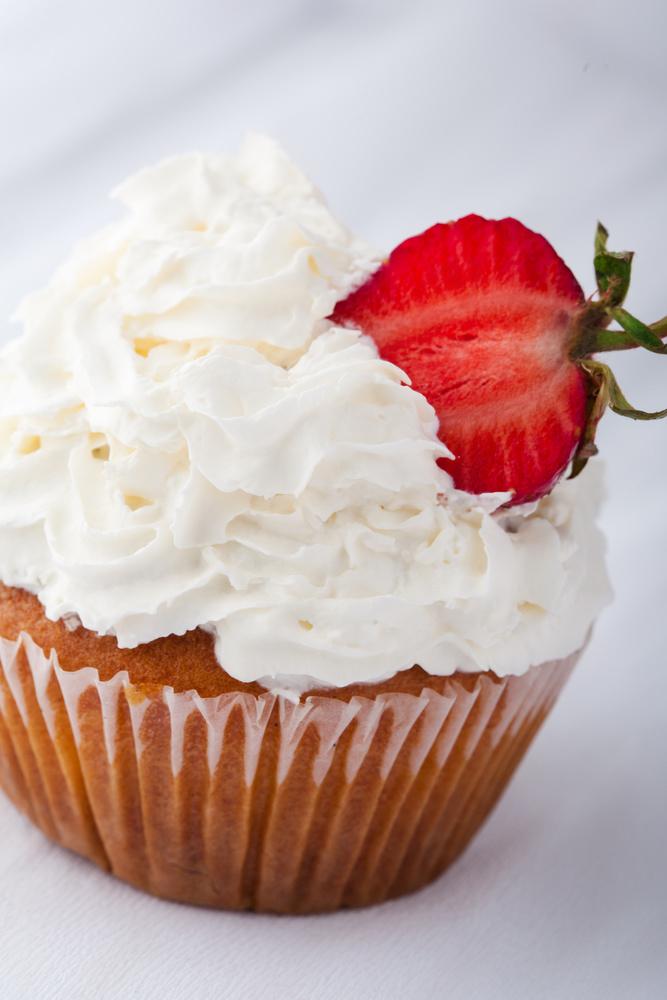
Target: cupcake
{"points": [[291, 571]]}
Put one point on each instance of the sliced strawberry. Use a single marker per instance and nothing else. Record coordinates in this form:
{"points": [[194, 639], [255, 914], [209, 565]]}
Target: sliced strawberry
{"points": [[480, 316], [492, 327]]}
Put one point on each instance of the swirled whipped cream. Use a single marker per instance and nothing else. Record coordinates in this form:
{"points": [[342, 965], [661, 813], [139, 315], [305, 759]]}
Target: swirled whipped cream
{"points": [[186, 440]]}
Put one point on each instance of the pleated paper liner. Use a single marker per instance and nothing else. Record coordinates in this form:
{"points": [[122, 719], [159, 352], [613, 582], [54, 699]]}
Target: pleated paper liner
{"points": [[254, 802]]}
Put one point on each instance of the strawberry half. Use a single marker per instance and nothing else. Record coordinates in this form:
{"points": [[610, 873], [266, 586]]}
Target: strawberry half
{"points": [[492, 327]]}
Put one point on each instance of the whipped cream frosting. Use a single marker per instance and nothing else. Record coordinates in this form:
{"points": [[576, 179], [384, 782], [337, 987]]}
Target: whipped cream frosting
{"points": [[186, 440]]}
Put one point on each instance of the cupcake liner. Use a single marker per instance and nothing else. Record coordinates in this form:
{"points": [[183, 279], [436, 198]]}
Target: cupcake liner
{"points": [[255, 802]]}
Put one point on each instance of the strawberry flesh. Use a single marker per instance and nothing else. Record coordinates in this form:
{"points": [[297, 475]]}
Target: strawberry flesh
{"points": [[480, 315]]}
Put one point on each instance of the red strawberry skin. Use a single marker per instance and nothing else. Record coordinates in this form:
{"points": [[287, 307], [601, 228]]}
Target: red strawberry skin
{"points": [[481, 315]]}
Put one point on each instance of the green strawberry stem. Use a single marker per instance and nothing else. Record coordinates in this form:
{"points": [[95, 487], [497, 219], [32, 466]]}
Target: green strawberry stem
{"points": [[598, 341], [593, 336]]}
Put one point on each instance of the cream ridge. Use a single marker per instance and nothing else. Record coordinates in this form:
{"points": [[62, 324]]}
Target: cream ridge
{"points": [[186, 440]]}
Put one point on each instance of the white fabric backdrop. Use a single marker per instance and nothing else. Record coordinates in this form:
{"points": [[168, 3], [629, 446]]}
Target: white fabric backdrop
{"points": [[404, 114]]}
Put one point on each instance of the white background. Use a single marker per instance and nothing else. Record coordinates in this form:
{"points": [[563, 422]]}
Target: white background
{"points": [[404, 113]]}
